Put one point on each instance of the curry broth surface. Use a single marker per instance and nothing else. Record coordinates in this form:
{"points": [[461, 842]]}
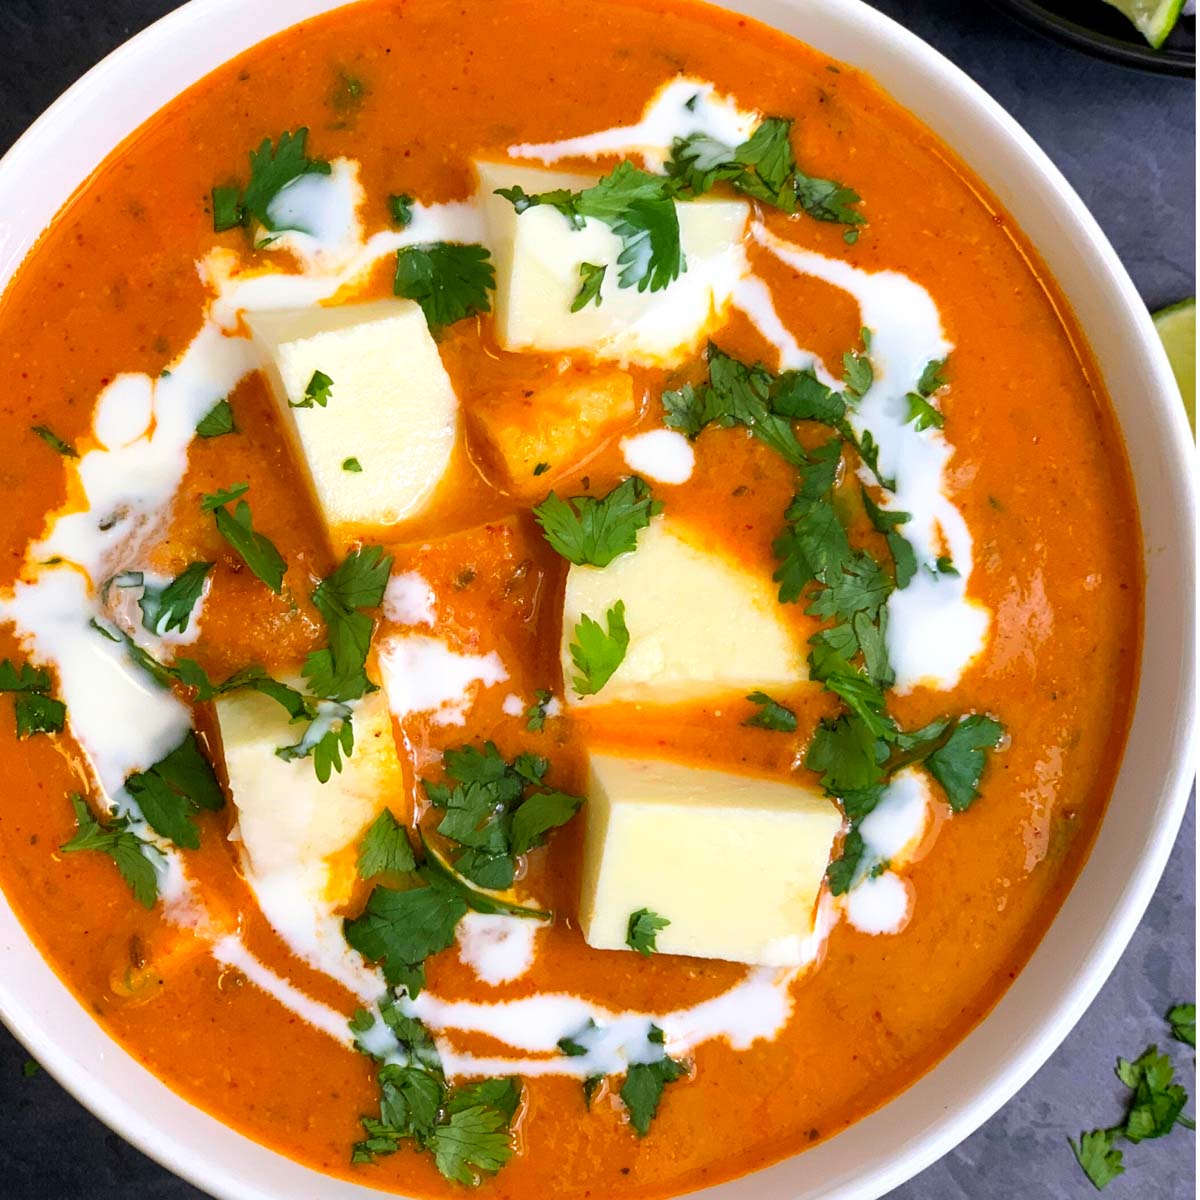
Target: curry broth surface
{"points": [[1039, 474]]}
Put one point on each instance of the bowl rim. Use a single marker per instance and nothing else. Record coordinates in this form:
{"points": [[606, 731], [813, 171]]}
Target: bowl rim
{"points": [[129, 1116]]}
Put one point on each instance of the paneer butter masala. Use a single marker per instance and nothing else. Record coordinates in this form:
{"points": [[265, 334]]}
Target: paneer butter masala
{"points": [[572, 596]]}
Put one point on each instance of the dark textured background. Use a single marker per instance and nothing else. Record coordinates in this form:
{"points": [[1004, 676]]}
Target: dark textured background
{"points": [[1127, 143]]}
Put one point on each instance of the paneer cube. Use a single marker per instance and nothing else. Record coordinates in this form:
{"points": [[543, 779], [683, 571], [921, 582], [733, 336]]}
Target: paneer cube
{"points": [[287, 818], [375, 450], [537, 434], [734, 863], [700, 625], [538, 254]]}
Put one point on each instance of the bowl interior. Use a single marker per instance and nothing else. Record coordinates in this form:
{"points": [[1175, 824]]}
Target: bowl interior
{"points": [[1100, 914]]}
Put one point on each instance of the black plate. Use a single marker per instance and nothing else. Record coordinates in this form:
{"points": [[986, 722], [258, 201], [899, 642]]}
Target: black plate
{"points": [[1095, 28]]}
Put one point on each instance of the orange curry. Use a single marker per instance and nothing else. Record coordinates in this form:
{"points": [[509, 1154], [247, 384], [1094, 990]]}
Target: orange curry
{"points": [[412, 89]]}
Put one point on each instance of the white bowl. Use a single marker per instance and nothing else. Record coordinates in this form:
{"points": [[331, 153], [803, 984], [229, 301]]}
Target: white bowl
{"points": [[60, 151]]}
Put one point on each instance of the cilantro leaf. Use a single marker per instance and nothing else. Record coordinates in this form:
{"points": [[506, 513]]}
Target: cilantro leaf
{"points": [[958, 764], [642, 1090], [638, 207], [771, 714], [54, 441], [922, 415], [589, 290], [1157, 1100], [597, 653], [542, 812], [586, 530], [352, 464], [385, 847], [330, 734], [932, 379], [535, 714], [170, 607], [127, 850], [1095, 1154], [36, 710], [217, 421], [642, 932], [1183, 1023], [338, 672], [255, 549], [448, 280], [887, 522], [400, 208], [211, 501], [272, 168], [318, 391], [474, 1142], [174, 789], [844, 869], [846, 754]]}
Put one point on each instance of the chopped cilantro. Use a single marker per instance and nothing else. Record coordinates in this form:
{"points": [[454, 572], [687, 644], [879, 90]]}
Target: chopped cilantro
{"points": [[771, 714], [466, 1128], [448, 280], [644, 1083], [347, 93], [352, 465], [385, 848], [272, 168], [54, 441], [1095, 1154], [318, 391], [338, 672], [329, 736], [1183, 1023], [763, 168], [174, 789], [217, 421], [30, 1069], [945, 566], [535, 714], [586, 530], [170, 607], [589, 290], [922, 415], [496, 810], [597, 653], [255, 549], [887, 522], [642, 932], [400, 929], [541, 468], [36, 710], [1155, 1107], [401, 209], [127, 850]]}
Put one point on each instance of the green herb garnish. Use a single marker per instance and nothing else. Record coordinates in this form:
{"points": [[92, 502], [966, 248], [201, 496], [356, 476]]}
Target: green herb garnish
{"points": [[127, 850], [172, 791], [170, 607], [255, 549], [771, 714], [217, 421], [589, 290], [272, 168], [586, 530], [448, 280], [318, 391], [36, 710], [642, 932], [54, 441], [597, 652]]}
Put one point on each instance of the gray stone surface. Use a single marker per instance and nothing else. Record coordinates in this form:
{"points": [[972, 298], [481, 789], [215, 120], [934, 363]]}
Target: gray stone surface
{"points": [[1127, 143]]}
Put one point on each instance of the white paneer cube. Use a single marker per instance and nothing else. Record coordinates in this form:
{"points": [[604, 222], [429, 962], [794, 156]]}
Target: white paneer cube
{"points": [[391, 411], [700, 625], [538, 254], [734, 863], [287, 818]]}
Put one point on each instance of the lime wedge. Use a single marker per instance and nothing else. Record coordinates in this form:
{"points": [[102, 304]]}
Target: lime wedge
{"points": [[1154, 18], [1177, 328]]}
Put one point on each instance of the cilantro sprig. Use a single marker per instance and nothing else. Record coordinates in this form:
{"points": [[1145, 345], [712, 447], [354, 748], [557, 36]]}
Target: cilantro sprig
{"points": [[465, 1128], [638, 207], [496, 810], [586, 530], [644, 1083], [130, 853], [217, 422], [338, 671], [400, 928], [764, 168], [1155, 1106], [36, 710], [272, 168], [171, 792]]}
